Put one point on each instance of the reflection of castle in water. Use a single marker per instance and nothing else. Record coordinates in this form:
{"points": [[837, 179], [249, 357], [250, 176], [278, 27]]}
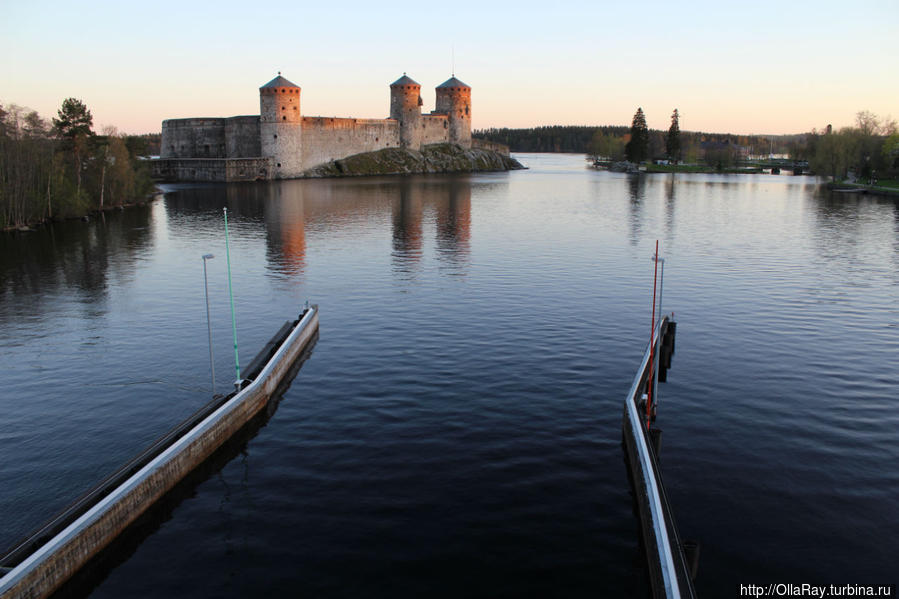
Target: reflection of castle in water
{"points": [[407, 237], [454, 222], [285, 223], [296, 210]]}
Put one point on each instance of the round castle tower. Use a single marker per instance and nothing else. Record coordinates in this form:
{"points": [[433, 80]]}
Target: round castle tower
{"points": [[281, 126], [454, 100], [405, 107]]}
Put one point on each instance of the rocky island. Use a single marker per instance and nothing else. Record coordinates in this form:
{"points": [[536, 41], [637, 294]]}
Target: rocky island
{"points": [[434, 158]]}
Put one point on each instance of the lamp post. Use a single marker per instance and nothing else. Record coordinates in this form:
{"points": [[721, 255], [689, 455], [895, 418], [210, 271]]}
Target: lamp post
{"points": [[208, 321]]}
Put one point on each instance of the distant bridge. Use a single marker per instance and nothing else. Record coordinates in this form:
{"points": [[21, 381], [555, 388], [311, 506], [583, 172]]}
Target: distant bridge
{"points": [[798, 167]]}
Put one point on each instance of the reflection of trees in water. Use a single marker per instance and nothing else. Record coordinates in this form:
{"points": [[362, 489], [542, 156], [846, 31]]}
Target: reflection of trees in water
{"points": [[670, 193], [637, 193], [71, 257]]}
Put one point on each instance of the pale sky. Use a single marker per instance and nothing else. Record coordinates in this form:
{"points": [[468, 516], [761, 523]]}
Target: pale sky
{"points": [[748, 67]]}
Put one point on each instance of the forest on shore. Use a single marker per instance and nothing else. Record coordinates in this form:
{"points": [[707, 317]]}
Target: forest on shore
{"points": [[866, 151], [61, 168], [603, 140]]}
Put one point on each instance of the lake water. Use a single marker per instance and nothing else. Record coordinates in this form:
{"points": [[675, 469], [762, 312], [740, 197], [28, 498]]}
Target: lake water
{"points": [[456, 430]]}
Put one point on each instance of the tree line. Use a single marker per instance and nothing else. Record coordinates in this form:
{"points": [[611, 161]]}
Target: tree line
{"points": [[610, 142], [866, 151], [61, 168], [558, 138]]}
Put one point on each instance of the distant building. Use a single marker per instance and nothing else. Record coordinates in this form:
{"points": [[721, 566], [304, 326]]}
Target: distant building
{"points": [[281, 143]]}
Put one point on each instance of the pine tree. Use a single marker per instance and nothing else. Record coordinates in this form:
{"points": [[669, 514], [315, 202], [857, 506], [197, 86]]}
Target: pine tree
{"points": [[74, 127], [638, 147], [672, 143]]}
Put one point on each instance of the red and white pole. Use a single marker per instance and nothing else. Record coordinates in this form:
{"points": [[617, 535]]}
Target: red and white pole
{"points": [[652, 335]]}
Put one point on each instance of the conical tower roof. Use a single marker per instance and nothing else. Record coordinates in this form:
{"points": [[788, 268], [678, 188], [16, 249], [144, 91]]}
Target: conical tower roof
{"points": [[405, 80], [279, 81], [453, 82]]}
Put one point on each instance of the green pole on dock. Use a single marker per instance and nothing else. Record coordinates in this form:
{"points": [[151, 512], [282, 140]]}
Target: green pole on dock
{"points": [[231, 294]]}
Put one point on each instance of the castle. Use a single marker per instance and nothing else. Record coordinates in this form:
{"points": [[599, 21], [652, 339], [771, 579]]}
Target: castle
{"points": [[281, 143]]}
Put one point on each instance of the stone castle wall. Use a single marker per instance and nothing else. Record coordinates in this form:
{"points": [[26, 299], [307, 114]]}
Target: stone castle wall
{"points": [[434, 129], [326, 139], [193, 138], [235, 137], [242, 137], [212, 169]]}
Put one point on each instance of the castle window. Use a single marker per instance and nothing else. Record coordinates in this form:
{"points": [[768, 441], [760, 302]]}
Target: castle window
{"points": [[283, 118], [276, 136], [279, 165], [284, 108]]}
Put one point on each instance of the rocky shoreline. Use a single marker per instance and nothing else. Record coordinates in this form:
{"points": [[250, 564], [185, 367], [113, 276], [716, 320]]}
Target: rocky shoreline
{"points": [[436, 158]]}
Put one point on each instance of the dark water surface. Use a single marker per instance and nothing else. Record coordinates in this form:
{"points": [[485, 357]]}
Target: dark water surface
{"points": [[456, 430]]}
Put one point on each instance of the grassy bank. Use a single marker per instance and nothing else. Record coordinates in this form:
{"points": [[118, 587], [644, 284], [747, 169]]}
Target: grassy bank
{"points": [[889, 187], [888, 184]]}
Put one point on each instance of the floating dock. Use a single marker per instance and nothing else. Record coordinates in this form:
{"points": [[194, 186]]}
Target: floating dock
{"points": [[38, 565], [671, 564]]}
